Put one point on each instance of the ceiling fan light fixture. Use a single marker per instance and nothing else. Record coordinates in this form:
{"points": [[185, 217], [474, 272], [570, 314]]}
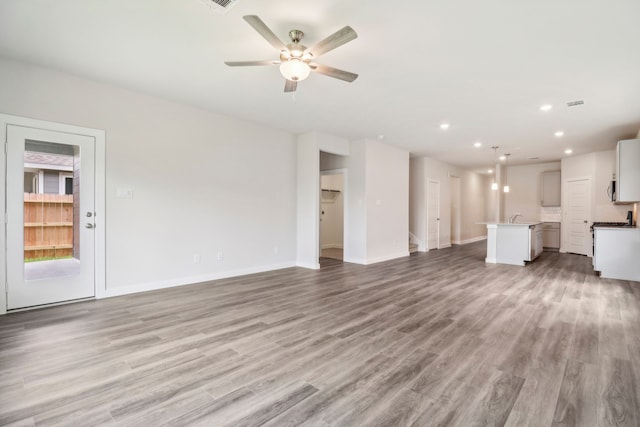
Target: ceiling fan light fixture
{"points": [[295, 70]]}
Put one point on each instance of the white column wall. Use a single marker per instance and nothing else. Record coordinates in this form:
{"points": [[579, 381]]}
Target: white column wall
{"points": [[387, 181]]}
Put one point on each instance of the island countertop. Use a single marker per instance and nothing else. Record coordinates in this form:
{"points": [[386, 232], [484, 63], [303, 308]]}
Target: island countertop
{"points": [[506, 224]]}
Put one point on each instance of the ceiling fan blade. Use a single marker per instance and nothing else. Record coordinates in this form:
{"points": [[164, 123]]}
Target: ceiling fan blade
{"points": [[264, 31], [250, 63], [335, 40], [334, 72], [290, 86]]}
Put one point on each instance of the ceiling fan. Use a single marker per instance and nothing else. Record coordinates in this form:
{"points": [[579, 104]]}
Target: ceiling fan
{"points": [[296, 60]]}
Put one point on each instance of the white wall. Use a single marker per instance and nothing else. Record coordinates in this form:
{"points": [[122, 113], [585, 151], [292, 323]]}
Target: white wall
{"points": [[525, 190], [474, 190], [598, 166], [202, 183], [474, 194], [387, 201], [355, 238], [308, 201], [332, 212]]}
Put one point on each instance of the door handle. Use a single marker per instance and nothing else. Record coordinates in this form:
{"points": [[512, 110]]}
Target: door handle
{"points": [[89, 225]]}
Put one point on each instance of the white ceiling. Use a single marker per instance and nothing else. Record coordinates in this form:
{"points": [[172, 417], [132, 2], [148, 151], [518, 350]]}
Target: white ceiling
{"points": [[486, 67]]}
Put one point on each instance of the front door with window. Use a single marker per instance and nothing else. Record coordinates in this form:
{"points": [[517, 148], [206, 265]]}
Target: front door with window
{"points": [[50, 225]]}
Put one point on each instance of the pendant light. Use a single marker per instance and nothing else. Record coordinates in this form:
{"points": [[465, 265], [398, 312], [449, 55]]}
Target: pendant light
{"points": [[494, 184], [506, 165]]}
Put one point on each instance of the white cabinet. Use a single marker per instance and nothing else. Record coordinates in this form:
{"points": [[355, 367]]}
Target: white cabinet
{"points": [[616, 253], [513, 244], [628, 170], [550, 191], [535, 241], [551, 235]]}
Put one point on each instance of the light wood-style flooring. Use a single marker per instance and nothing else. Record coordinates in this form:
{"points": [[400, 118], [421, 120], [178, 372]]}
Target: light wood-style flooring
{"points": [[435, 339]]}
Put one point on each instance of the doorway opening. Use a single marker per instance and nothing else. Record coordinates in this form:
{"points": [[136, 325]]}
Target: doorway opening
{"points": [[331, 218]]}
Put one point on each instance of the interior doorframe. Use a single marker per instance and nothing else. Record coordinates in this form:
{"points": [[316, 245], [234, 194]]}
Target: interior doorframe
{"points": [[564, 226], [100, 196], [437, 181], [345, 212]]}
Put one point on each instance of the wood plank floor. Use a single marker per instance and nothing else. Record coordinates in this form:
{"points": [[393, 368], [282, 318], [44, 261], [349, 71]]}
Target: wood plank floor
{"points": [[435, 339]]}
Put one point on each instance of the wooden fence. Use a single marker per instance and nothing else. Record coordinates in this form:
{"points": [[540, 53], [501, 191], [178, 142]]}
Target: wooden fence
{"points": [[48, 225]]}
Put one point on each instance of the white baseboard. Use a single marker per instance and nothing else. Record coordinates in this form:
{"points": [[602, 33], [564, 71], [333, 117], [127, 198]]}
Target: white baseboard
{"points": [[387, 257], [308, 265], [490, 260], [363, 261], [472, 240], [331, 246], [190, 280]]}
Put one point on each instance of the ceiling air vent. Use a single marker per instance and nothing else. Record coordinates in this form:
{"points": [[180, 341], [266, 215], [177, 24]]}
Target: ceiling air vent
{"points": [[220, 6], [574, 103]]}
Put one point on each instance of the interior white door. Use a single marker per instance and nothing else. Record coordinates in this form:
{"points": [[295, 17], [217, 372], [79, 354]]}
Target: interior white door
{"points": [[53, 279], [577, 216], [455, 209], [433, 214]]}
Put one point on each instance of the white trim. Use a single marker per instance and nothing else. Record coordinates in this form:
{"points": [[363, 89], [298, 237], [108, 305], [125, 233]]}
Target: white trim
{"points": [[40, 182], [190, 280], [308, 265], [39, 166], [378, 259], [331, 246], [438, 245], [472, 240], [100, 194]]}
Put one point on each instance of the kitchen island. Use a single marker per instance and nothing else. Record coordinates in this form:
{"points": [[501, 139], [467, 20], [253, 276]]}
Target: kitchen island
{"points": [[513, 243]]}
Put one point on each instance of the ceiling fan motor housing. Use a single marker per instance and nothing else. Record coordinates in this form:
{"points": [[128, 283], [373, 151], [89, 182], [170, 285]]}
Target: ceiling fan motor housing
{"points": [[296, 35]]}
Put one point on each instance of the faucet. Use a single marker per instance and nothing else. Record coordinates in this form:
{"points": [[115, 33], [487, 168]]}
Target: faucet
{"points": [[513, 217]]}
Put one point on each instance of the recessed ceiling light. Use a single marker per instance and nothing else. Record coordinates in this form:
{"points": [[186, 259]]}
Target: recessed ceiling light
{"points": [[477, 144], [559, 133], [445, 126], [502, 157], [546, 107], [490, 171], [568, 151]]}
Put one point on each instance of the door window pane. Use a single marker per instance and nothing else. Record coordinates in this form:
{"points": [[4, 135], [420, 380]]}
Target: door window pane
{"points": [[50, 225]]}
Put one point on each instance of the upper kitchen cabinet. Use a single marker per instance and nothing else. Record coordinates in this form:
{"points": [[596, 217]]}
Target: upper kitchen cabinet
{"points": [[628, 170], [550, 188]]}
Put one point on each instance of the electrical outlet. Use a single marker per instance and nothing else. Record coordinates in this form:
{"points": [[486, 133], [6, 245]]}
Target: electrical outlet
{"points": [[220, 256], [196, 258]]}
